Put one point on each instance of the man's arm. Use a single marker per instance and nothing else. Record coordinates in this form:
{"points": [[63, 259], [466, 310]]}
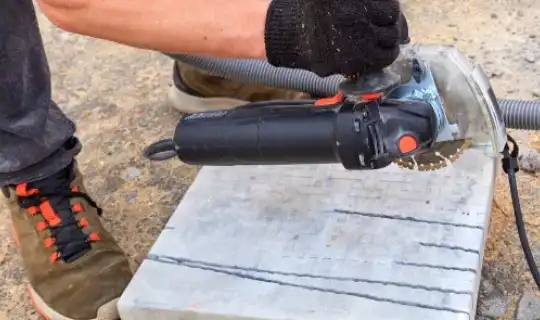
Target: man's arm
{"points": [[222, 28], [327, 37]]}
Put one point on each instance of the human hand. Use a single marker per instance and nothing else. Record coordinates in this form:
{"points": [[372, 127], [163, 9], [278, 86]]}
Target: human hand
{"points": [[327, 37]]}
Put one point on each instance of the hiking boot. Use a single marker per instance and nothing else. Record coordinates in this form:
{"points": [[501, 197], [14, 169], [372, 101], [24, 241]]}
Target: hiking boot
{"points": [[74, 266], [195, 90]]}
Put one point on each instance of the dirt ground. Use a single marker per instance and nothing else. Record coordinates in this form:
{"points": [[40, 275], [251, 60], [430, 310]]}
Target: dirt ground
{"points": [[116, 96]]}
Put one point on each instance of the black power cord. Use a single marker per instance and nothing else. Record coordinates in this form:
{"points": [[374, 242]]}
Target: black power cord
{"points": [[510, 167]]}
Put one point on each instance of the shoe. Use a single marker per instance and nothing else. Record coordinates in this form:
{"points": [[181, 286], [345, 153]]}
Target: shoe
{"points": [[194, 90], [74, 266]]}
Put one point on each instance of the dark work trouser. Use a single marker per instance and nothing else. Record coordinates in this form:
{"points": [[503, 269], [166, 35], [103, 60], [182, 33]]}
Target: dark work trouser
{"points": [[36, 138]]}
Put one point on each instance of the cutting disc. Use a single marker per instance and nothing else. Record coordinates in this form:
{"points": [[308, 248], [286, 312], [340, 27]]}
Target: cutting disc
{"points": [[441, 155]]}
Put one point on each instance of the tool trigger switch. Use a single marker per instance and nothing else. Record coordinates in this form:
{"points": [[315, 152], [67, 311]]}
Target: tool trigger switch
{"points": [[407, 144]]}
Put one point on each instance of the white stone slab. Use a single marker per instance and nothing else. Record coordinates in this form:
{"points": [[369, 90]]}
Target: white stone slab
{"points": [[318, 242]]}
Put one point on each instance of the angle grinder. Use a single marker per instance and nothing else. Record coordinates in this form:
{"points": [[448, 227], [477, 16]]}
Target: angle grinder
{"points": [[420, 113], [362, 127]]}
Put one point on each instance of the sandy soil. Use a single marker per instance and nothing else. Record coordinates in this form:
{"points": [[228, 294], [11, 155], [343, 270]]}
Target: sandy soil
{"points": [[116, 96]]}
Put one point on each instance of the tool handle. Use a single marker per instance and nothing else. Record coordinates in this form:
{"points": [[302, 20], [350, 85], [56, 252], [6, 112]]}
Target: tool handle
{"points": [[258, 135], [358, 135]]}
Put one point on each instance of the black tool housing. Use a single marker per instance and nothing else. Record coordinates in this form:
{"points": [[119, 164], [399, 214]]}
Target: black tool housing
{"points": [[360, 135]]}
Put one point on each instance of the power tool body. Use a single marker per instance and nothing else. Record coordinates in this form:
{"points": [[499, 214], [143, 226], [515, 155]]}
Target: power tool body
{"points": [[397, 115]]}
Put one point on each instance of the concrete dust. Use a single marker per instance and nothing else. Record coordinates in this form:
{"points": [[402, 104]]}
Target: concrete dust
{"points": [[115, 94]]}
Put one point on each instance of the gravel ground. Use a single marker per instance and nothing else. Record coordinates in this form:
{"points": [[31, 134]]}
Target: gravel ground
{"points": [[116, 96]]}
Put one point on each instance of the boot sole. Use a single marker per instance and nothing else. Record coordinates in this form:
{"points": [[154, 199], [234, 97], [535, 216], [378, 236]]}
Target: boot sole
{"points": [[108, 311], [186, 103]]}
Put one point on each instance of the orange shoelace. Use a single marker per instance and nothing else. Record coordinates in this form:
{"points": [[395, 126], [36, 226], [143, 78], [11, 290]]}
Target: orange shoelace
{"points": [[51, 198]]}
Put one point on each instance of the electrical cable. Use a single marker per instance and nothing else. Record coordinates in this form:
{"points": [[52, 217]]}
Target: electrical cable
{"points": [[160, 150], [510, 167]]}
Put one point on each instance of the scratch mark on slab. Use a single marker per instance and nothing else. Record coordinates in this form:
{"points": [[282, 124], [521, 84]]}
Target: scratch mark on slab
{"points": [[433, 266], [188, 264], [407, 218], [449, 247]]}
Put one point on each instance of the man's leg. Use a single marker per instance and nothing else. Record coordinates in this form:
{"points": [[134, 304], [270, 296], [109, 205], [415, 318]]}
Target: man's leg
{"points": [[34, 133], [74, 267]]}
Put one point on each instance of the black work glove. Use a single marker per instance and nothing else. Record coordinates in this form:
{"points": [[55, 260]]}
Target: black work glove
{"points": [[327, 37]]}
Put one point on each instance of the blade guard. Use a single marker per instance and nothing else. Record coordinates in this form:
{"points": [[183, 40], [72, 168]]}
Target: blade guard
{"points": [[459, 91]]}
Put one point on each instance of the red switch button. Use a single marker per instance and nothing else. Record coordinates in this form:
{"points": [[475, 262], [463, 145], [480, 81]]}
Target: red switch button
{"points": [[407, 144]]}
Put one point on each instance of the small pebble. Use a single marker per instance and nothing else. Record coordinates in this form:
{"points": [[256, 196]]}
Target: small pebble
{"points": [[530, 57], [487, 287], [497, 74], [529, 162], [131, 197], [132, 173]]}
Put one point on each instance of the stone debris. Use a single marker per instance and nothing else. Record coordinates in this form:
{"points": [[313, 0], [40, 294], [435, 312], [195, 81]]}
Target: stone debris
{"points": [[529, 161], [529, 307], [493, 303]]}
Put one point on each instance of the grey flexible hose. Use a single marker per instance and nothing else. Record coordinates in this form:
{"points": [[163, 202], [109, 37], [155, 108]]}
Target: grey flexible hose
{"points": [[261, 72], [517, 114], [521, 114]]}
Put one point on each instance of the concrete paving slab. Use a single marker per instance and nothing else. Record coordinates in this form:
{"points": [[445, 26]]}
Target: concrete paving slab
{"points": [[318, 242]]}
